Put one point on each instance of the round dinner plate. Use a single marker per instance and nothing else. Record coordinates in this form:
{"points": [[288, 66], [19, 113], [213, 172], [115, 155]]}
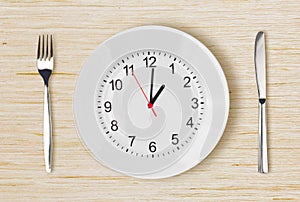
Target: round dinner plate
{"points": [[158, 134]]}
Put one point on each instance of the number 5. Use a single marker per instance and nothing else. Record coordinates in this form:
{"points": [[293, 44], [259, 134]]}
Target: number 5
{"points": [[175, 139]]}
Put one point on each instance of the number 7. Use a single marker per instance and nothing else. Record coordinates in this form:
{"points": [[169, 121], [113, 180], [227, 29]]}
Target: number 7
{"points": [[132, 139]]}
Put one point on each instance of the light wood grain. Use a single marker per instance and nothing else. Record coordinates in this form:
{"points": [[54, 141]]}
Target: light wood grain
{"points": [[227, 28]]}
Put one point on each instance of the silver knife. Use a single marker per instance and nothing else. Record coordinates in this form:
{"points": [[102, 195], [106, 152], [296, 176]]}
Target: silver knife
{"points": [[260, 70]]}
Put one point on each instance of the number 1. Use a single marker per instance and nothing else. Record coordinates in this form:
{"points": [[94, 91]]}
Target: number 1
{"points": [[172, 66]]}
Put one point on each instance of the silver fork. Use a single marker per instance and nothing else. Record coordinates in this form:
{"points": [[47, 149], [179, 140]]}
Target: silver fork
{"points": [[44, 62]]}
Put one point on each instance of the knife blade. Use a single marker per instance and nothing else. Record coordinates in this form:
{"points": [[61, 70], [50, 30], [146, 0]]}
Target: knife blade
{"points": [[260, 70], [260, 64]]}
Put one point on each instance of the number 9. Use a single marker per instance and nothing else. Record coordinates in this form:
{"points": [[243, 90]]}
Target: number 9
{"points": [[107, 106]]}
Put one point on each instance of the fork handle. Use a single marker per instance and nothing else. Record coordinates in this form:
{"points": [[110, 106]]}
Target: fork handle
{"points": [[47, 131], [262, 139]]}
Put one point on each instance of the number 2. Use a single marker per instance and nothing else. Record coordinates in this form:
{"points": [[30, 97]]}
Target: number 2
{"points": [[187, 84]]}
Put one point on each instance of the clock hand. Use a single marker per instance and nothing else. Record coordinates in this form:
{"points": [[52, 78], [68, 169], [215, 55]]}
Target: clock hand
{"points": [[151, 84], [149, 103], [157, 94]]}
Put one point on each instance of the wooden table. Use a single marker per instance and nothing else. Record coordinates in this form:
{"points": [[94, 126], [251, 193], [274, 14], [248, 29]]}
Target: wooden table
{"points": [[227, 28]]}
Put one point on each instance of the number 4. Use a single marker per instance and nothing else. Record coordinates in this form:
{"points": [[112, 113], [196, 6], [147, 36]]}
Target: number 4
{"points": [[190, 122]]}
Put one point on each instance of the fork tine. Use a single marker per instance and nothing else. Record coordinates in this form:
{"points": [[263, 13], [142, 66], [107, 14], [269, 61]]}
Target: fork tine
{"points": [[51, 47], [39, 47], [46, 51], [42, 52]]}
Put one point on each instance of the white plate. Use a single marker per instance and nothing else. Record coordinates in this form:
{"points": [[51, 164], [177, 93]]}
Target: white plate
{"points": [[95, 125]]}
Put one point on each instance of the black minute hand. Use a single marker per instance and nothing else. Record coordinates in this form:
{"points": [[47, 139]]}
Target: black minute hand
{"points": [[157, 94], [151, 84]]}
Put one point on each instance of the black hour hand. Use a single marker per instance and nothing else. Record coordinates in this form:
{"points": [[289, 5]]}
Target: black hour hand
{"points": [[157, 94]]}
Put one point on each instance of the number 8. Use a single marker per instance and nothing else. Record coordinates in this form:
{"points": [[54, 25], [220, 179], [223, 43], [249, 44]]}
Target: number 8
{"points": [[114, 126]]}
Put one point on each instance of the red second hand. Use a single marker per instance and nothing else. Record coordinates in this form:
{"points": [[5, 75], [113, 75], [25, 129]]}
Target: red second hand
{"points": [[149, 104]]}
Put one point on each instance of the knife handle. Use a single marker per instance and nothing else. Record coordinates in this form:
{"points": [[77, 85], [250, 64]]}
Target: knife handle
{"points": [[262, 138]]}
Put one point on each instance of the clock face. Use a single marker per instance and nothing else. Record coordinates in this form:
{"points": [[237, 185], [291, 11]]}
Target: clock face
{"points": [[151, 102]]}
